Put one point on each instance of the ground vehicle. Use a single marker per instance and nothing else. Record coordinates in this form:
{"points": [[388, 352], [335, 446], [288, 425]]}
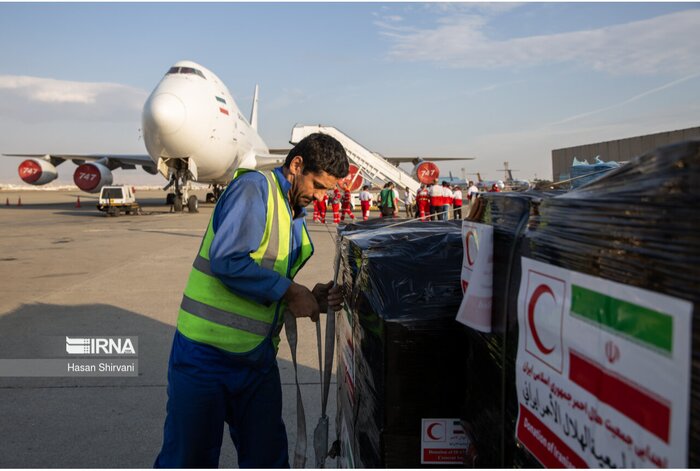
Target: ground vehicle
{"points": [[115, 199]]}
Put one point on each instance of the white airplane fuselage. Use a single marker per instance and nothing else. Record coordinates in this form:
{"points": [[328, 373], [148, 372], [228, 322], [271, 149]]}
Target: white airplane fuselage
{"points": [[190, 120]]}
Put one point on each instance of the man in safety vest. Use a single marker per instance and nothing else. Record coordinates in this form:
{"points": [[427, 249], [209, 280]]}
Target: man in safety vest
{"points": [[223, 365]]}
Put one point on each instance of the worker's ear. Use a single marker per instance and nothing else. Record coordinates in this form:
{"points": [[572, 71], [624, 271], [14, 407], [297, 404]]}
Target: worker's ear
{"points": [[296, 166]]}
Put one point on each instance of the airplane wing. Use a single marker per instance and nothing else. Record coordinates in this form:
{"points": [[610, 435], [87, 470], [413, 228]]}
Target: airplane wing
{"points": [[280, 151], [398, 160], [126, 161], [269, 161]]}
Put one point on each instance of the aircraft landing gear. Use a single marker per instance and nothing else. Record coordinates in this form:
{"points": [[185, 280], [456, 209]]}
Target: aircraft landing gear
{"points": [[193, 204], [177, 203], [180, 197]]}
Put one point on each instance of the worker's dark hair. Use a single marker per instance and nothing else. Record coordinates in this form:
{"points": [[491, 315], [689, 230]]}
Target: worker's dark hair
{"points": [[365, 187], [321, 152]]}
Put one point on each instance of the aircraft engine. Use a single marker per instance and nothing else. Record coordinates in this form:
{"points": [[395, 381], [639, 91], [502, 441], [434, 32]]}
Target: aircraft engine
{"points": [[37, 172], [353, 181], [426, 172], [91, 177]]}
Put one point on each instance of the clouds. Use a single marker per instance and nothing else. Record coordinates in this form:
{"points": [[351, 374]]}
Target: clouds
{"points": [[627, 101], [32, 99], [666, 43]]}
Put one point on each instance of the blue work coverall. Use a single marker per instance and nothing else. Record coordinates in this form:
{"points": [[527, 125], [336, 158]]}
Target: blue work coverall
{"points": [[207, 386]]}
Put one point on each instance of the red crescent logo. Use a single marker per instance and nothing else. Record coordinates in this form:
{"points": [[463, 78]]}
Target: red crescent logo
{"points": [[469, 257], [539, 291], [430, 431]]}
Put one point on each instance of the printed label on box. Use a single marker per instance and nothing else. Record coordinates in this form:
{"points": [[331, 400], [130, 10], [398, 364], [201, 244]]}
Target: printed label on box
{"points": [[443, 441], [602, 371], [477, 276]]}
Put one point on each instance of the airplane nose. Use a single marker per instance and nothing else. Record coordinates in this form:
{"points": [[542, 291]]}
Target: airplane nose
{"points": [[166, 112]]}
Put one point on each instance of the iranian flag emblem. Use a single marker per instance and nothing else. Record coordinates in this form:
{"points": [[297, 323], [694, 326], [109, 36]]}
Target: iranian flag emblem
{"points": [[602, 371]]}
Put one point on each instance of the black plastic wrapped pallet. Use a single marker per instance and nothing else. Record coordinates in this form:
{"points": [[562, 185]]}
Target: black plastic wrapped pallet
{"points": [[639, 225], [488, 410], [402, 292]]}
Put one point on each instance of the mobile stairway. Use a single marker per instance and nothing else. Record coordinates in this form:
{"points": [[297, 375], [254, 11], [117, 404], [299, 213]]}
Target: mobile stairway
{"points": [[374, 168]]}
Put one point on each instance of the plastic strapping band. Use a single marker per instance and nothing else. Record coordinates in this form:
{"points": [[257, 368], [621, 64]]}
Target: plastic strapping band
{"points": [[290, 326]]}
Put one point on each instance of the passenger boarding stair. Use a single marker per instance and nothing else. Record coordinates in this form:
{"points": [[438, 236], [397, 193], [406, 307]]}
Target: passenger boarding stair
{"points": [[373, 167]]}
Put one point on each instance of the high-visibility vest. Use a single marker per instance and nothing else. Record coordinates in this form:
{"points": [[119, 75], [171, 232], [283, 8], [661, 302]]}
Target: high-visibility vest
{"points": [[212, 314]]}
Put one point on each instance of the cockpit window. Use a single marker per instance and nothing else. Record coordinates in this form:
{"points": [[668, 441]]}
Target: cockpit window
{"points": [[185, 70]]}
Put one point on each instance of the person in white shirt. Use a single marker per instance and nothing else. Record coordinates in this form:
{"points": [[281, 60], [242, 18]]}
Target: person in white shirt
{"points": [[472, 191], [446, 201], [408, 201], [435, 201], [457, 203], [472, 194], [365, 199]]}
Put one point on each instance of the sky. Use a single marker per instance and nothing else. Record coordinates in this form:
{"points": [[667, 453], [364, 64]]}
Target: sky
{"points": [[495, 81]]}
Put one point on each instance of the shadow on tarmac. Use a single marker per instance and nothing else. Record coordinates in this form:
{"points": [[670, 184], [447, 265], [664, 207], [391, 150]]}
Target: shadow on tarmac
{"points": [[77, 422]]}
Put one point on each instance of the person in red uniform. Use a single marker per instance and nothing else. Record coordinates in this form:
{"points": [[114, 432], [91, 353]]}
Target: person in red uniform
{"points": [[322, 209], [335, 204], [316, 211], [423, 202], [494, 189], [365, 202], [435, 202], [347, 205]]}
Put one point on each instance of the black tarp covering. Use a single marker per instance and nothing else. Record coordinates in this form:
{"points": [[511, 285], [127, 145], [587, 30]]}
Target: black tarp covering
{"points": [[402, 292], [491, 356], [638, 225]]}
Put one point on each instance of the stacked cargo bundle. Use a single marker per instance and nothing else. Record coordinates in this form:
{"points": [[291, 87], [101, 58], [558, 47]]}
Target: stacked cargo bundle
{"points": [[489, 410], [594, 349], [401, 355], [608, 364]]}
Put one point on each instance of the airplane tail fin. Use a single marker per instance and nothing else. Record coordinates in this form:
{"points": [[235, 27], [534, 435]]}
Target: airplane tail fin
{"points": [[479, 176], [254, 111]]}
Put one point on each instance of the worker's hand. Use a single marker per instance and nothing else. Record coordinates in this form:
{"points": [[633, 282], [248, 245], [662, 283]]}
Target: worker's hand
{"points": [[328, 295], [301, 302]]}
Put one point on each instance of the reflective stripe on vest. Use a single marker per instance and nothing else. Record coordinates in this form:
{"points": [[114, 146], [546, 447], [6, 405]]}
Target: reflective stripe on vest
{"points": [[210, 313]]}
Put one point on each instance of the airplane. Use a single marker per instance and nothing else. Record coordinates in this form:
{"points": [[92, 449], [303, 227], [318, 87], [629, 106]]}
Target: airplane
{"points": [[425, 170], [193, 131], [454, 181], [508, 184]]}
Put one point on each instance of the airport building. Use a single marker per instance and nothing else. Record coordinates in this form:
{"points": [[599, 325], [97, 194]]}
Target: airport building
{"points": [[620, 150]]}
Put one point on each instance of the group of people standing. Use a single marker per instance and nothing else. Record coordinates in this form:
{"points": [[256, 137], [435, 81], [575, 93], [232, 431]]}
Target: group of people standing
{"points": [[341, 205], [432, 202]]}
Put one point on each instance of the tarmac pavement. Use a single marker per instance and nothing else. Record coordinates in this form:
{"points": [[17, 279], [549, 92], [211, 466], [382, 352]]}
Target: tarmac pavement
{"points": [[67, 271]]}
